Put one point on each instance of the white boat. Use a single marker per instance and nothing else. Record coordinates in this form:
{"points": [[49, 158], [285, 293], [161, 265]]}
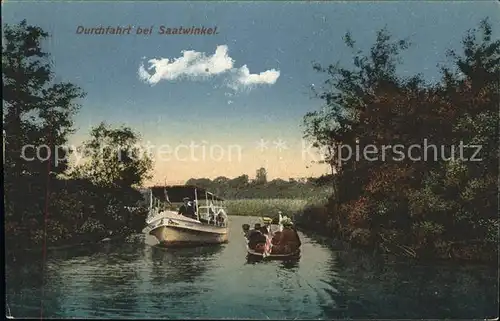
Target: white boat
{"points": [[208, 226]]}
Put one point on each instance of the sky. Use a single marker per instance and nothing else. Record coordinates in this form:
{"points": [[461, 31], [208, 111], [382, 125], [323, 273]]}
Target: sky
{"points": [[230, 102]]}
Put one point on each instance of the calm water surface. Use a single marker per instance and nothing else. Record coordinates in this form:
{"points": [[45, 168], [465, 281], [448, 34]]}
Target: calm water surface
{"points": [[140, 281]]}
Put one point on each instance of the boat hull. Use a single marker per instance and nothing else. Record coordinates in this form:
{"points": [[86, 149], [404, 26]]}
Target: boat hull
{"points": [[172, 236], [286, 256]]}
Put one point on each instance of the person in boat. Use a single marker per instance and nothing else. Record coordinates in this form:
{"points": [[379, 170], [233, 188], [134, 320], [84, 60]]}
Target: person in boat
{"points": [[255, 237], [211, 209], [255, 230], [211, 214], [286, 241], [280, 216], [276, 238], [289, 238], [188, 209], [246, 229], [265, 229], [220, 219]]}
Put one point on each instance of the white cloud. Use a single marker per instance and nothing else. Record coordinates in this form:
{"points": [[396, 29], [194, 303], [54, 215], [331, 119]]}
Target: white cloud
{"points": [[191, 64], [143, 74], [195, 65], [245, 79]]}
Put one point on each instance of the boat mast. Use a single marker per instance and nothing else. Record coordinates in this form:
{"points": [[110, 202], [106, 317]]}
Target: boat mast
{"points": [[196, 203], [165, 192], [150, 199], [3, 139]]}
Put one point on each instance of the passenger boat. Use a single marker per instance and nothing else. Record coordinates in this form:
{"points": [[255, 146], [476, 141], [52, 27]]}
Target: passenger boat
{"points": [[208, 226]]}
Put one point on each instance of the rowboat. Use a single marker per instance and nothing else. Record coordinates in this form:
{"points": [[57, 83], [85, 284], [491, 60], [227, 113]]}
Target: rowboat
{"points": [[265, 249], [271, 256], [207, 225]]}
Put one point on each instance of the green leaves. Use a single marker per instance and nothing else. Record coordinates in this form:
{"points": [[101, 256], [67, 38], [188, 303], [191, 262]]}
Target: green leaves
{"points": [[261, 176], [114, 158], [36, 110], [370, 104], [38, 113]]}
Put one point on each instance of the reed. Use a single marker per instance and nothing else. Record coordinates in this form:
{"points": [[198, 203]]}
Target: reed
{"points": [[269, 207], [266, 206]]}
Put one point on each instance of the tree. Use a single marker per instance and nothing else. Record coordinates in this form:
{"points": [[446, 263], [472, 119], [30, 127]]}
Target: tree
{"points": [[426, 203], [37, 111], [37, 116], [221, 180], [261, 176], [201, 182], [464, 188], [114, 158], [239, 182], [354, 98]]}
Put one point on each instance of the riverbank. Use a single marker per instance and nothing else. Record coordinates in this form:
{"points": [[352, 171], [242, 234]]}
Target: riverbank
{"points": [[64, 212], [316, 219], [25, 242], [18, 255]]}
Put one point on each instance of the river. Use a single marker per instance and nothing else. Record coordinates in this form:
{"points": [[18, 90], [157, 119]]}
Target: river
{"points": [[140, 281]]}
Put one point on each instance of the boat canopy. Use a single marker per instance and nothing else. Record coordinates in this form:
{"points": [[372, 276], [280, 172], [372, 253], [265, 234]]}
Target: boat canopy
{"points": [[176, 193]]}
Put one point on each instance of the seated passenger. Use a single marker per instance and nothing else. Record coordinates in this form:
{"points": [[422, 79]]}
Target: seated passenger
{"points": [[211, 209], [211, 215], [276, 238], [220, 219], [289, 240], [187, 209], [256, 228], [246, 229], [255, 237]]}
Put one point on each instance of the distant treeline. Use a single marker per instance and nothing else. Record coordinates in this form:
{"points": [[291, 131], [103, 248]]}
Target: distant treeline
{"points": [[242, 187]]}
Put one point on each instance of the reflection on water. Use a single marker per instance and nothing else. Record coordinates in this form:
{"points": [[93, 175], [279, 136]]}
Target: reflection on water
{"points": [[181, 265], [293, 262], [364, 286], [140, 281]]}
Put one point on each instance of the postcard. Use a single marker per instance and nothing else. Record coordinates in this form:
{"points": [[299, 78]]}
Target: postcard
{"points": [[251, 160]]}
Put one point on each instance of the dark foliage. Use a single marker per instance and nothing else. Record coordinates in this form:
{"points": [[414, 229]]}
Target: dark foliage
{"points": [[426, 206]]}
